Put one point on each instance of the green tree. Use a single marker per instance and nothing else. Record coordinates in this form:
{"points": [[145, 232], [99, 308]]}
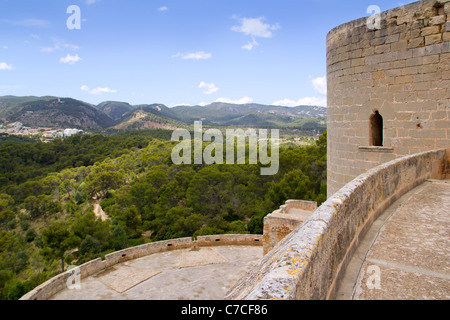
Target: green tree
{"points": [[88, 224], [30, 235], [6, 216], [12, 252], [208, 192], [237, 227], [6, 201], [294, 185], [90, 245], [120, 238], [132, 221], [58, 239], [103, 179]]}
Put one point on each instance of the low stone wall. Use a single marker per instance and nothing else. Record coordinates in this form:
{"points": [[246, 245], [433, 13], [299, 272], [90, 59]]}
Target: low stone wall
{"points": [[230, 240], [283, 221], [299, 204], [310, 262], [58, 283]]}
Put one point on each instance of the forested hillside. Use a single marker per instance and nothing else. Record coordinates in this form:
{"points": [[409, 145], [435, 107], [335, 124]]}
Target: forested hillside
{"points": [[50, 196]]}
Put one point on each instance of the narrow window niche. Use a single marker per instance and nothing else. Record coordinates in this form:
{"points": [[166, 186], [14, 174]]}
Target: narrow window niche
{"points": [[376, 130], [376, 139]]}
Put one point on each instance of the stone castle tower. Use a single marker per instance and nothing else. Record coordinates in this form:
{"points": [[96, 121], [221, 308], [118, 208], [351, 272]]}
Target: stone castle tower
{"points": [[388, 89]]}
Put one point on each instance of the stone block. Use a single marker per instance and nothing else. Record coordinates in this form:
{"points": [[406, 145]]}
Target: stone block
{"points": [[446, 36], [414, 33], [438, 20], [392, 38], [447, 8], [431, 59], [439, 115], [399, 46], [389, 56], [426, 12], [358, 62], [409, 71], [428, 68], [383, 48], [356, 53], [378, 41], [404, 18], [433, 39], [416, 42], [416, 24], [434, 49], [404, 116], [421, 86], [414, 62], [430, 30], [404, 79], [378, 75]]}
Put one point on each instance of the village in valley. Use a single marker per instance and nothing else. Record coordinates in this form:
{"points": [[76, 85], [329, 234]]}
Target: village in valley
{"points": [[45, 134]]}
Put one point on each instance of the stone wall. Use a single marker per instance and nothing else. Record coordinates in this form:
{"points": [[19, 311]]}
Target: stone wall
{"points": [[309, 263], [283, 221], [402, 71], [58, 283]]}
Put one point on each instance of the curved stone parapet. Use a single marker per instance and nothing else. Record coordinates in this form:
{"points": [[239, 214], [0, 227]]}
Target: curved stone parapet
{"points": [[309, 263], [58, 283]]}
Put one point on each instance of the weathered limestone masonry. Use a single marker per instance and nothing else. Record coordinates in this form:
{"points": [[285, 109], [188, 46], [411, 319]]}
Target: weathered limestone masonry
{"points": [[310, 262], [283, 221], [403, 72], [58, 283]]}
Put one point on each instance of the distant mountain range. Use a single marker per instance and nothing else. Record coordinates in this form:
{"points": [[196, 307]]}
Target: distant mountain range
{"points": [[54, 112]]}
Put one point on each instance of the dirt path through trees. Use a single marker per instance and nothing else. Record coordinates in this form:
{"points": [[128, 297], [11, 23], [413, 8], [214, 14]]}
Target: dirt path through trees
{"points": [[98, 211]]}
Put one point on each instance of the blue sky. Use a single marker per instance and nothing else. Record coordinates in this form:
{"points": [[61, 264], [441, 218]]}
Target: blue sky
{"points": [[172, 51]]}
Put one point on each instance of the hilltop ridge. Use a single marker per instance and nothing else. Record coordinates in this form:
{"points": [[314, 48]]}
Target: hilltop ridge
{"points": [[50, 111]]}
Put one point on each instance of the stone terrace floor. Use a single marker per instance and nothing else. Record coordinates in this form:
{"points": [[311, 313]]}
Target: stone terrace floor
{"points": [[207, 273], [405, 255]]}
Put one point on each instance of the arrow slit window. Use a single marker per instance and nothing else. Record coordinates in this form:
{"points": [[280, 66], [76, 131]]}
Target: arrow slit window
{"points": [[376, 130]]}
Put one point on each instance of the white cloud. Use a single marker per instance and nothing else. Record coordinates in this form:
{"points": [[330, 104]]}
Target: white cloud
{"points": [[162, 9], [70, 46], [307, 101], [255, 27], [210, 87], [320, 84], [89, 2], [244, 100], [200, 55], [250, 45], [180, 105], [59, 45], [5, 66], [37, 23], [70, 59], [5, 47], [50, 49], [98, 90]]}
